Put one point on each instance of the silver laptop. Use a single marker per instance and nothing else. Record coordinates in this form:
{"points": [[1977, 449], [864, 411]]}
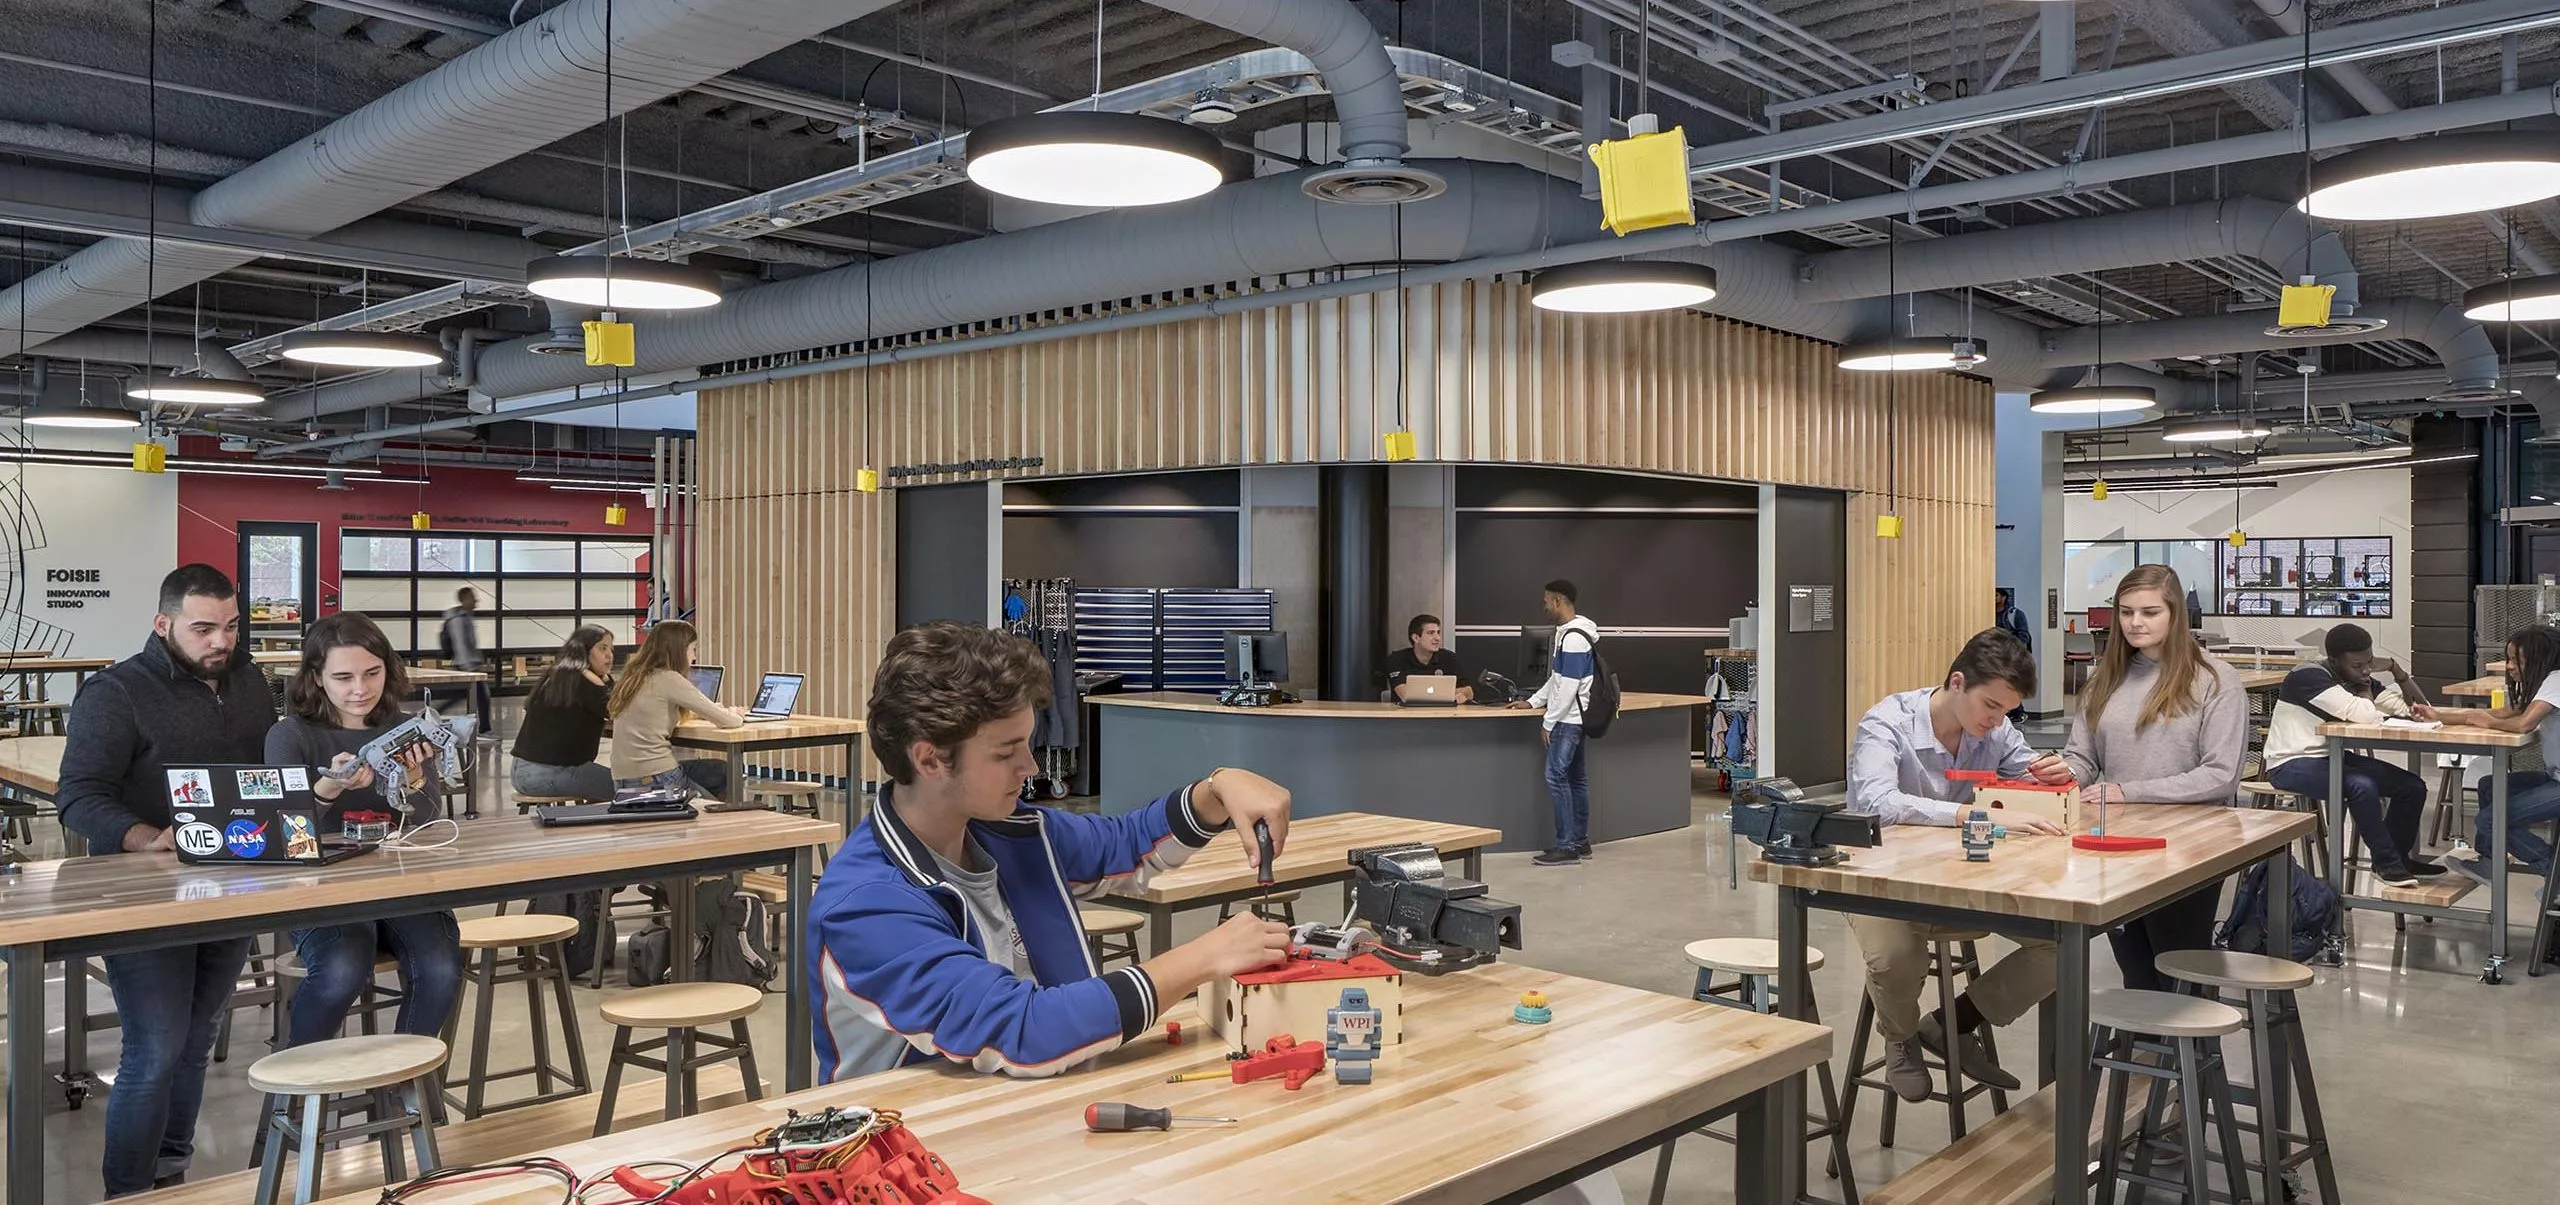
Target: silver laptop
{"points": [[776, 697], [1428, 690]]}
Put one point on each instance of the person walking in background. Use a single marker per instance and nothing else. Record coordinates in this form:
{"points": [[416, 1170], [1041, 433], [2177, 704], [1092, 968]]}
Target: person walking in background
{"points": [[1562, 696], [2006, 616], [460, 642], [191, 696]]}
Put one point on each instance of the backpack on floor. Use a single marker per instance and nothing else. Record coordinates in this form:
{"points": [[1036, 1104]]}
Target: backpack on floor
{"points": [[729, 929], [646, 961], [2318, 918], [584, 951]]}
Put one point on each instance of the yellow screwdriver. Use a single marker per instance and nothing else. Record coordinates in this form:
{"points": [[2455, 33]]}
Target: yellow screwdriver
{"points": [[1190, 1077]]}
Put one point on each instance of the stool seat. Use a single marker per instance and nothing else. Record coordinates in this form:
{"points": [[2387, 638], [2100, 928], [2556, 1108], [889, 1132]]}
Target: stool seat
{"points": [[509, 932], [341, 1065], [765, 885], [792, 787], [2165, 1014], [1098, 919], [1743, 955], [290, 965], [2231, 969], [681, 1005], [1955, 935], [2258, 788]]}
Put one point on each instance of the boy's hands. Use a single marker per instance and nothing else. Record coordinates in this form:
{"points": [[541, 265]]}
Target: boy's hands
{"points": [[1242, 796]]}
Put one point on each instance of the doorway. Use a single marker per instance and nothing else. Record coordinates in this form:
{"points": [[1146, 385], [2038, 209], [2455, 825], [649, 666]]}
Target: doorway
{"points": [[279, 581]]}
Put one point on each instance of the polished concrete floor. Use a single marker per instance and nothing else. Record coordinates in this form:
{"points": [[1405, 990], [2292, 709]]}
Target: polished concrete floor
{"points": [[2437, 1086]]}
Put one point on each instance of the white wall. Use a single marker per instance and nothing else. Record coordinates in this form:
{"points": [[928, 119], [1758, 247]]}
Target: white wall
{"points": [[75, 521], [2372, 502]]}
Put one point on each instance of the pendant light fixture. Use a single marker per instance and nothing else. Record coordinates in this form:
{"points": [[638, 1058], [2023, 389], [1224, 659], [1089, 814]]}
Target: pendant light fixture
{"points": [[2437, 177], [1914, 355], [169, 388], [2215, 428], [2530, 299], [91, 418], [2093, 395], [1090, 158], [1623, 286], [362, 349]]}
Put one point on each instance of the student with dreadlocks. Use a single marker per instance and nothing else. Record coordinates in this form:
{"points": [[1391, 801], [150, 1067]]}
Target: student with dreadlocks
{"points": [[2533, 796]]}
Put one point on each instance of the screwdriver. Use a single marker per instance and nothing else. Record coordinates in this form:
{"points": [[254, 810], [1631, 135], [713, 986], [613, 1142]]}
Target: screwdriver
{"points": [[1113, 1117], [1262, 846]]}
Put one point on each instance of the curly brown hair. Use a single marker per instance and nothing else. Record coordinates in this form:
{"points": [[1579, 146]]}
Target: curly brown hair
{"points": [[941, 682], [307, 697]]}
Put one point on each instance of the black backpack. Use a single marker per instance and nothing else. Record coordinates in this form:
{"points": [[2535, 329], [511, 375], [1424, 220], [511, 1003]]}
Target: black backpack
{"points": [[1600, 708], [729, 928], [444, 639], [2318, 918]]}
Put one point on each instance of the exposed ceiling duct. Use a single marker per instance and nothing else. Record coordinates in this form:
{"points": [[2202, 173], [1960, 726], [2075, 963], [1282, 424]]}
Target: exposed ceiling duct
{"points": [[157, 351], [2470, 360], [515, 94]]}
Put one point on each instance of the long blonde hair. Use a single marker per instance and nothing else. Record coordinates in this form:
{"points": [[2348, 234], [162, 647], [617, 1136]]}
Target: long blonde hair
{"points": [[2181, 658], [664, 649]]}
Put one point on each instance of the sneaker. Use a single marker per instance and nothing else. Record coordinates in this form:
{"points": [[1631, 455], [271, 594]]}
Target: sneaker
{"points": [[2465, 861], [1582, 850], [1562, 855], [1970, 1055], [1904, 1070], [2423, 868], [2394, 875]]}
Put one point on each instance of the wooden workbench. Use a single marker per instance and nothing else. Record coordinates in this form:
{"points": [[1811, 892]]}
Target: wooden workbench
{"points": [[32, 765], [2476, 688], [1165, 700], [1471, 1107], [1318, 852], [799, 732], [2499, 748]]}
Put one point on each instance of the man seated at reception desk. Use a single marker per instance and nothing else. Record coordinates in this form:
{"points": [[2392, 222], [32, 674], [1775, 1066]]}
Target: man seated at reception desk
{"points": [[1426, 656]]}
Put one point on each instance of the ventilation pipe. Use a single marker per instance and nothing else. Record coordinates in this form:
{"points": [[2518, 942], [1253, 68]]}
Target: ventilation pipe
{"points": [[2470, 360], [517, 93], [1368, 95], [158, 351]]}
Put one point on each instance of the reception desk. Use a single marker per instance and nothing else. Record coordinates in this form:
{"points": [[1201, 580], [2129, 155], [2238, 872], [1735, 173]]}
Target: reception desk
{"points": [[1459, 765]]}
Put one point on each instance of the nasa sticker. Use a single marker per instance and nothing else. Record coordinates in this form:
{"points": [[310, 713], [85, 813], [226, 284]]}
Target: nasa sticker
{"points": [[247, 838], [199, 840]]}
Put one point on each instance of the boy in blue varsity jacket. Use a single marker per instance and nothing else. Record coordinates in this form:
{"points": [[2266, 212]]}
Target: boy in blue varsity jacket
{"points": [[946, 926]]}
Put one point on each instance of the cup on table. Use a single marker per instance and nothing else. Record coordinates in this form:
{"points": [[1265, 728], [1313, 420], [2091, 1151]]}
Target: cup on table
{"points": [[2497, 698]]}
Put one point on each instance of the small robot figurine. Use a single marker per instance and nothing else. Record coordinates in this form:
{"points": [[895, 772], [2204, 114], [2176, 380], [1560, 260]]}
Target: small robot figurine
{"points": [[1977, 834], [1351, 1036]]}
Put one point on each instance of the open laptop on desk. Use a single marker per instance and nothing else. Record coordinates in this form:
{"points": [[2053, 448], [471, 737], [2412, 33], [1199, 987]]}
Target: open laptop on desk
{"points": [[706, 678], [1428, 690], [776, 696], [230, 814]]}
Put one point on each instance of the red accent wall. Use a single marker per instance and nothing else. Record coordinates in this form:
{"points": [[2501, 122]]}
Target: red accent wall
{"points": [[462, 500]]}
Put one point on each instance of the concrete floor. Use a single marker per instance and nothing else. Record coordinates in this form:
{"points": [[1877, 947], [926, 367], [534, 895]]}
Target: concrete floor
{"points": [[2404, 1033]]}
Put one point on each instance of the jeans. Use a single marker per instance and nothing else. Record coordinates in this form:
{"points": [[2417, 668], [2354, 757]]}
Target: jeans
{"points": [[2390, 836], [1569, 785], [339, 962], [2533, 797], [2185, 923], [590, 781], [707, 775], [168, 1001]]}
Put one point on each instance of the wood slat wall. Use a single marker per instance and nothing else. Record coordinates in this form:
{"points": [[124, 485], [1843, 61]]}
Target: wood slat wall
{"points": [[796, 567]]}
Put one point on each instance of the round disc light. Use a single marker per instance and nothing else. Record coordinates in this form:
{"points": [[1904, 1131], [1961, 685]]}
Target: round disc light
{"points": [[2526, 299], [2219, 428], [1095, 160], [604, 282], [362, 349], [1623, 286], [1914, 355], [100, 418], [2095, 399], [171, 390], [2436, 177]]}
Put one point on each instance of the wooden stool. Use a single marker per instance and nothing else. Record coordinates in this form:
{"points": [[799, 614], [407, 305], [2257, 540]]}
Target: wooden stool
{"points": [[2267, 986], [394, 1072], [375, 1000], [526, 803], [2259, 793], [794, 795], [541, 956], [1110, 932], [2189, 1053], [681, 1009], [1951, 953], [41, 716], [1283, 902], [1753, 962]]}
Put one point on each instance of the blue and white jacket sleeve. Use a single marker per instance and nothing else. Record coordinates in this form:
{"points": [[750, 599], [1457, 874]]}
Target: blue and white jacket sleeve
{"points": [[1103, 854]]}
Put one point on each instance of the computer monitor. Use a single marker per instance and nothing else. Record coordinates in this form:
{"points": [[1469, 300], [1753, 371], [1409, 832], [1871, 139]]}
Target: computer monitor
{"points": [[1537, 650], [1256, 656]]}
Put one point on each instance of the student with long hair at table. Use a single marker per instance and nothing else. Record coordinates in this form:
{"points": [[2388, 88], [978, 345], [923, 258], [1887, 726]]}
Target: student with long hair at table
{"points": [[653, 695], [555, 748], [2533, 796]]}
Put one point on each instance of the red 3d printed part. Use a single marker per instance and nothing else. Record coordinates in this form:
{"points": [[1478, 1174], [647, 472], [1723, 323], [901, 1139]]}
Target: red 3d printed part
{"points": [[2106, 844], [1284, 1056], [849, 1156]]}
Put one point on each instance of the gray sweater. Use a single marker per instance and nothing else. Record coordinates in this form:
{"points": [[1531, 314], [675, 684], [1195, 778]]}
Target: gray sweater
{"points": [[295, 741], [2191, 758]]}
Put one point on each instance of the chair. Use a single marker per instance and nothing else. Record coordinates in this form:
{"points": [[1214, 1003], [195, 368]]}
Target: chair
{"points": [[395, 1073], [682, 1010]]}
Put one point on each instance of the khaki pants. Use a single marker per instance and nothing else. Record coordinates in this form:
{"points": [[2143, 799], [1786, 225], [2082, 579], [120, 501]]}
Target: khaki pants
{"points": [[1897, 955]]}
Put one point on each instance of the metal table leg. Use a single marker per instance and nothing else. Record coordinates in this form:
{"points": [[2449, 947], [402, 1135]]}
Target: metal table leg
{"points": [[1471, 863], [1786, 1097], [26, 1075], [796, 1032], [2333, 814], [852, 781], [679, 933], [735, 790], [1756, 1158], [1159, 928], [2070, 1040], [2495, 971]]}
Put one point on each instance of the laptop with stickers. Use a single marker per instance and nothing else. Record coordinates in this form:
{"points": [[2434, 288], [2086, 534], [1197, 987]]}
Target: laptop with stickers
{"points": [[252, 814]]}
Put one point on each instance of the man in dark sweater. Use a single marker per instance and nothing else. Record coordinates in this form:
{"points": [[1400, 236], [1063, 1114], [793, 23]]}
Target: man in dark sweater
{"points": [[191, 696]]}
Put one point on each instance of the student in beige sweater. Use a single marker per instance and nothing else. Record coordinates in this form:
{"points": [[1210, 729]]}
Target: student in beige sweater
{"points": [[2159, 722], [653, 693]]}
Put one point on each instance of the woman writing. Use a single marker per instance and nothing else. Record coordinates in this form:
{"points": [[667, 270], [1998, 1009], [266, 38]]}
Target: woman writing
{"points": [[2533, 796], [555, 749], [653, 694], [2159, 722], [343, 696]]}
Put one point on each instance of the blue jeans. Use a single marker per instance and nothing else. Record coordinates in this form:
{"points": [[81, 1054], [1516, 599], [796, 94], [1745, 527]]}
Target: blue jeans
{"points": [[2533, 797], [1569, 785], [338, 960], [168, 1002], [707, 775], [2389, 835]]}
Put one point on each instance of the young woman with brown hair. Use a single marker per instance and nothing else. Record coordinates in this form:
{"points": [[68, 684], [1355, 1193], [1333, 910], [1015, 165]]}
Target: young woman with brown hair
{"points": [[652, 695], [555, 746], [2159, 722]]}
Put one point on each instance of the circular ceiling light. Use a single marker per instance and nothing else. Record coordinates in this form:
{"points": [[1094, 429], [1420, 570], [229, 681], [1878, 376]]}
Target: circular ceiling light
{"points": [[172, 390], [2527, 299], [91, 417], [2094, 399], [2215, 428], [604, 282], [2436, 177], [1623, 286], [1094, 160], [362, 349], [1914, 355]]}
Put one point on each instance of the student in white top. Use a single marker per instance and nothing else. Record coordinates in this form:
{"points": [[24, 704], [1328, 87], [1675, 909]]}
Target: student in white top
{"points": [[1563, 695], [2533, 796], [2342, 689]]}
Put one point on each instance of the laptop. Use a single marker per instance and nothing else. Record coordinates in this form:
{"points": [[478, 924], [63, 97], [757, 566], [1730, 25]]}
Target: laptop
{"points": [[266, 814], [776, 696], [706, 678], [1428, 690]]}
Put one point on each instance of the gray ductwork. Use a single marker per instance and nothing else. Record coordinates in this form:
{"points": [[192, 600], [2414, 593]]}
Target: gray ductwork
{"points": [[2470, 361], [2270, 232], [517, 93], [2544, 394], [159, 351], [1368, 95]]}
